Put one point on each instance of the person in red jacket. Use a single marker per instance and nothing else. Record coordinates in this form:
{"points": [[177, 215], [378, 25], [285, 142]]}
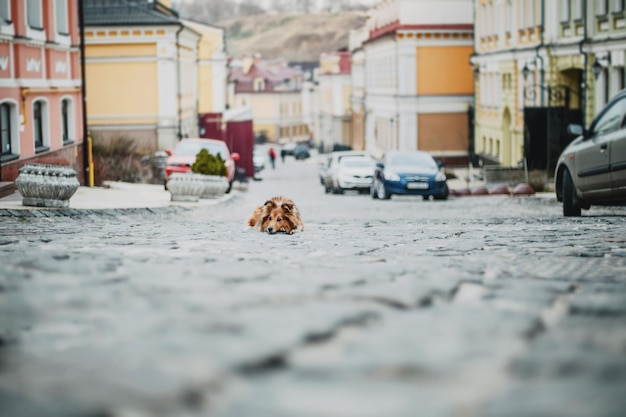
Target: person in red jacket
{"points": [[272, 154]]}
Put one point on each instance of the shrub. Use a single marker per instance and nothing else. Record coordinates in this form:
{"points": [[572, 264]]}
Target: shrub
{"points": [[116, 160], [208, 164]]}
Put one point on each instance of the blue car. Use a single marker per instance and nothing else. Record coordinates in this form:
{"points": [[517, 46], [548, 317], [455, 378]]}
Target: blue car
{"points": [[409, 173]]}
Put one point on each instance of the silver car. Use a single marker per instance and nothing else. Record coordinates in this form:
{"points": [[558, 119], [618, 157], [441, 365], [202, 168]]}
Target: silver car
{"points": [[592, 168], [350, 173]]}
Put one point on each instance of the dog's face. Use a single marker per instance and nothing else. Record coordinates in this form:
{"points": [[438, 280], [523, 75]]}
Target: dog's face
{"points": [[279, 216]]}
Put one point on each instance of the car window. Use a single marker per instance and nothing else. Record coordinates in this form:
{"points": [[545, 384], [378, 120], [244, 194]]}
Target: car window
{"points": [[192, 148], [355, 162], [611, 119], [403, 159]]}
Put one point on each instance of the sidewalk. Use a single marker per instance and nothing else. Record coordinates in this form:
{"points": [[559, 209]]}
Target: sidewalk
{"points": [[116, 195]]}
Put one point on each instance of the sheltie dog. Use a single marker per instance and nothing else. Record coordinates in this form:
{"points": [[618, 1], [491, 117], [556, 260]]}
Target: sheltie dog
{"points": [[278, 214]]}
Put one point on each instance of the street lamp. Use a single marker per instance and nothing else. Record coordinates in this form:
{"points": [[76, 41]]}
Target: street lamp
{"points": [[596, 68]]}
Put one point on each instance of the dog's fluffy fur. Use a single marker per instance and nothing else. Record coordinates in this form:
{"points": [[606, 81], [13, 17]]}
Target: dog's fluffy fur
{"points": [[278, 214]]}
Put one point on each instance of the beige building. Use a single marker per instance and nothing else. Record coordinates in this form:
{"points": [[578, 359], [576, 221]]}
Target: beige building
{"points": [[274, 92]]}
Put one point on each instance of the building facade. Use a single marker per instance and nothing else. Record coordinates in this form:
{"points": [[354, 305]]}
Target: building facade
{"points": [[539, 66], [40, 85], [418, 77], [142, 73], [357, 99], [335, 91], [274, 92]]}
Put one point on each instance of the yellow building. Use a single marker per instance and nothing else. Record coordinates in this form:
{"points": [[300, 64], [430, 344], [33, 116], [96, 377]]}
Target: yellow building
{"points": [[533, 73], [212, 68], [141, 73]]}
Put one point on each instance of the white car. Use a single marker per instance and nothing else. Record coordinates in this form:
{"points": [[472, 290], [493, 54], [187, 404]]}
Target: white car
{"points": [[350, 172], [258, 159]]}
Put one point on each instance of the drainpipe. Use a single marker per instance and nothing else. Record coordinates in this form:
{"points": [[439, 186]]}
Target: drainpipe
{"points": [[178, 82], [87, 164], [538, 56], [584, 86]]}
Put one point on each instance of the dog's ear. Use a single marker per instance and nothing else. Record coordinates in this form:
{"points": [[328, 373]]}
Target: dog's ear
{"points": [[269, 203], [288, 207]]}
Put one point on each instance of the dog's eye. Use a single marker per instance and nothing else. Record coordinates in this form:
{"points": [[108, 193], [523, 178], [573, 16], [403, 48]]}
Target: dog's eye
{"points": [[279, 219], [269, 218]]}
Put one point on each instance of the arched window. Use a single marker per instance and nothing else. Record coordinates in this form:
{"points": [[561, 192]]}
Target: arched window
{"points": [[40, 126]]}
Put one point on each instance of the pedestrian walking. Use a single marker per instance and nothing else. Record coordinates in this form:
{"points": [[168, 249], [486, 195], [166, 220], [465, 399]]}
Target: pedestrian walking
{"points": [[272, 154]]}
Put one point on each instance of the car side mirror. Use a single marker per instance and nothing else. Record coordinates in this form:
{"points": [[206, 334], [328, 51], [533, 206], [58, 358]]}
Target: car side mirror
{"points": [[168, 152], [440, 164], [380, 165], [575, 130], [235, 156]]}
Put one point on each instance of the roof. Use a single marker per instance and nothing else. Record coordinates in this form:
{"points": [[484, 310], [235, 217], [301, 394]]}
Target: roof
{"points": [[127, 13], [267, 70]]}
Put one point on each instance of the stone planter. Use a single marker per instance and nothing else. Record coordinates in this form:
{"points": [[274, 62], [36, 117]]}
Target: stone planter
{"points": [[185, 186], [214, 186], [43, 185]]}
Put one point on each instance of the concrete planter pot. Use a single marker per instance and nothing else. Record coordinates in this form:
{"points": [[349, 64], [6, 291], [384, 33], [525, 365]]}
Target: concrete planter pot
{"points": [[214, 186], [185, 186], [44, 185]]}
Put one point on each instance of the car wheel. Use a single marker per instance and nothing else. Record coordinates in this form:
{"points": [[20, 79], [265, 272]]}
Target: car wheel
{"points": [[327, 189], [373, 191], [571, 204], [381, 191]]}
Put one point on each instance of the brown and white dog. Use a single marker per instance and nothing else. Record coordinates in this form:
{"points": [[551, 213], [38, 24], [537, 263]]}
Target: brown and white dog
{"points": [[278, 214]]}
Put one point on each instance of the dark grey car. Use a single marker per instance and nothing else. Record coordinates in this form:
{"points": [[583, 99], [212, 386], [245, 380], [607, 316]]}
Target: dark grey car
{"points": [[592, 169]]}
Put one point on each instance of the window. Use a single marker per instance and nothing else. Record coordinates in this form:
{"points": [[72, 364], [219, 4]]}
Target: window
{"points": [[531, 14], [66, 120], [259, 84], [578, 9], [618, 6], [509, 16], [60, 14], [5, 128], [522, 14], [611, 119], [5, 11], [601, 7], [565, 10], [40, 125], [33, 14]]}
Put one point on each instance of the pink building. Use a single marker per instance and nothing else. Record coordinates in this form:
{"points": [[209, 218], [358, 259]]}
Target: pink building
{"points": [[40, 86]]}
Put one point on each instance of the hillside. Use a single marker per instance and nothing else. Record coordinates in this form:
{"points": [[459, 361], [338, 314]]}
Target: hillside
{"points": [[297, 38]]}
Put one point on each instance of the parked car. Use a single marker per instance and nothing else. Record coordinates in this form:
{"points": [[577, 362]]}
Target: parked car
{"points": [[258, 159], [289, 148], [184, 154], [334, 158], [301, 151], [409, 173], [350, 173], [592, 168]]}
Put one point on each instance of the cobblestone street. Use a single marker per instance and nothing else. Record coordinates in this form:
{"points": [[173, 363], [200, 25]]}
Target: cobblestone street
{"points": [[474, 306]]}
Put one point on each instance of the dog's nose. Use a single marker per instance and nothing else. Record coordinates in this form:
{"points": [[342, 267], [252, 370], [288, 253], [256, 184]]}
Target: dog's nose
{"points": [[270, 230]]}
